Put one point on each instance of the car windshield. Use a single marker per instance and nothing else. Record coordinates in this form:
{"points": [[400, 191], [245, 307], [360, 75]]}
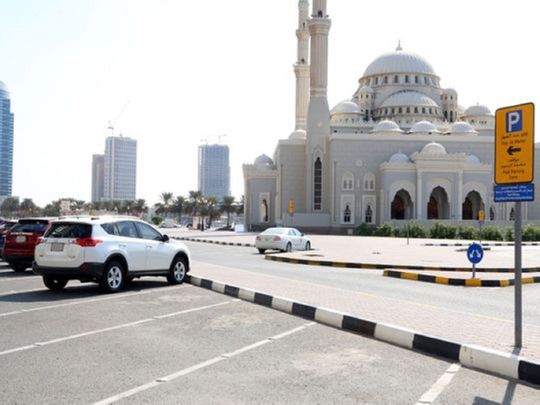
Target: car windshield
{"points": [[29, 227], [69, 230], [274, 231]]}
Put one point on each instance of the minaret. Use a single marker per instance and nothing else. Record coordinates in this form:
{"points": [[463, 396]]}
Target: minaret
{"points": [[301, 67], [318, 131]]}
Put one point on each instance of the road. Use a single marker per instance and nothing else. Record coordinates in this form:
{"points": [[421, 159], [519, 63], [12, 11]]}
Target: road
{"points": [[156, 343]]}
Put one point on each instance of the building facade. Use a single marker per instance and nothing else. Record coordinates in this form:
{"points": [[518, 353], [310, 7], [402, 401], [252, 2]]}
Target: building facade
{"points": [[98, 180], [399, 148], [6, 143], [120, 169], [214, 171]]}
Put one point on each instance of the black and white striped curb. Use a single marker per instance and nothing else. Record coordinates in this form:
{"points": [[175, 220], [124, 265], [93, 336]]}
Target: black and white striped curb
{"points": [[215, 242], [477, 357], [483, 244]]}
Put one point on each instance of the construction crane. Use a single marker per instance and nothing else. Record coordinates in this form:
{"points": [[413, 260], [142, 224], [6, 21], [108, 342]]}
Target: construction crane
{"points": [[113, 123], [205, 140]]}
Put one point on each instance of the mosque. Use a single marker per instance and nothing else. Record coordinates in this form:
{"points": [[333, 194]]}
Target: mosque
{"points": [[401, 148]]}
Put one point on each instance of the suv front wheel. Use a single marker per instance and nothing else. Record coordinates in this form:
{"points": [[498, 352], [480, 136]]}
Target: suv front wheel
{"points": [[178, 271], [114, 277]]}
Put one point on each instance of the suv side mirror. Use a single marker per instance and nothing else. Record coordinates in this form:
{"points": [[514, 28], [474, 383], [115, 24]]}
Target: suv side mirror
{"points": [[165, 238]]}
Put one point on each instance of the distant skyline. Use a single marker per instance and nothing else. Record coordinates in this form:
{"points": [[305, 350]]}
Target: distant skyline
{"points": [[187, 71]]}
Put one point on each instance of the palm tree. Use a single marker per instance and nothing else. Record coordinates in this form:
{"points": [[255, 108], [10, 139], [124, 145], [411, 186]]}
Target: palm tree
{"points": [[196, 205], [211, 209], [166, 198], [179, 206], [227, 206]]}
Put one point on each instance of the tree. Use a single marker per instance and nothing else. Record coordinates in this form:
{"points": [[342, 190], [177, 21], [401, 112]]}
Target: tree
{"points": [[240, 206], [10, 207], [227, 206], [165, 204], [196, 206], [210, 209], [28, 207], [178, 207], [139, 206]]}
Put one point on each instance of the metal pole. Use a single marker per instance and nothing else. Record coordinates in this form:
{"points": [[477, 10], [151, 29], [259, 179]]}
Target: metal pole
{"points": [[473, 270], [517, 287]]}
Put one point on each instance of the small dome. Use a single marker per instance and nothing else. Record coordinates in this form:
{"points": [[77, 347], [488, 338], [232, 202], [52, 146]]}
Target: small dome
{"points": [[399, 62], [408, 98], [423, 127], [472, 160], [386, 126], [433, 148], [263, 160], [460, 127], [399, 158], [366, 89], [460, 109], [477, 109], [346, 107], [298, 134], [450, 91]]}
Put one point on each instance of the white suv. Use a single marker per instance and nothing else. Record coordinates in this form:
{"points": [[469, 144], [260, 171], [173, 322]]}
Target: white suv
{"points": [[109, 251]]}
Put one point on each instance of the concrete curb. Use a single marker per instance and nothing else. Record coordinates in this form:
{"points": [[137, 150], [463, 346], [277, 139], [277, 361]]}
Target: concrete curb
{"points": [[480, 358], [370, 266], [215, 242], [427, 278]]}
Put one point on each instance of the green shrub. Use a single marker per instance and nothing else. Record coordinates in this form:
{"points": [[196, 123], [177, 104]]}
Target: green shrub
{"points": [[157, 220], [442, 231], [384, 230], [491, 233], [509, 234], [415, 231], [467, 232], [365, 229], [531, 233]]}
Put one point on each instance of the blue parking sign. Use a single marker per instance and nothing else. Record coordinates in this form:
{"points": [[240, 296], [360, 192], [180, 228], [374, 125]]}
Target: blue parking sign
{"points": [[514, 122]]}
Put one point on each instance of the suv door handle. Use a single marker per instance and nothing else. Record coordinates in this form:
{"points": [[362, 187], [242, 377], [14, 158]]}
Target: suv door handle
{"points": [[122, 245]]}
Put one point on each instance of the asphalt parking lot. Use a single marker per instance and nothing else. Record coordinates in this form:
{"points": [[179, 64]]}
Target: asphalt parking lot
{"points": [[156, 343]]}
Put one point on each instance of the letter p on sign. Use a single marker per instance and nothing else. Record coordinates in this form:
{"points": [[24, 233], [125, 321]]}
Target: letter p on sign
{"points": [[513, 121]]}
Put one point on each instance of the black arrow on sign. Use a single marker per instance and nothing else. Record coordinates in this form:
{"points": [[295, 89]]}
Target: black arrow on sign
{"points": [[511, 150]]}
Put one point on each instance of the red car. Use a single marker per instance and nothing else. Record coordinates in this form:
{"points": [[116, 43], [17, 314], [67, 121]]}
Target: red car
{"points": [[21, 241]]}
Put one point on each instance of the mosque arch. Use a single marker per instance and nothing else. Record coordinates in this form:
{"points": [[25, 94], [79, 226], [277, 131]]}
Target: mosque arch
{"points": [[438, 206], [402, 205], [471, 206], [347, 181]]}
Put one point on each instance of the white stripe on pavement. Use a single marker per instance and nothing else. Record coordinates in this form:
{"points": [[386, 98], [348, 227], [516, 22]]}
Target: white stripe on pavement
{"points": [[125, 325], [85, 301], [199, 366], [19, 292], [439, 386]]}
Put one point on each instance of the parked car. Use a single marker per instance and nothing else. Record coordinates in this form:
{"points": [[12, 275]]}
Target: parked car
{"points": [[5, 226], [21, 241], [284, 239], [109, 251]]}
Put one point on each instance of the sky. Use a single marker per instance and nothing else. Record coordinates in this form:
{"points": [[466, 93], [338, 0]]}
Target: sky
{"points": [[175, 74]]}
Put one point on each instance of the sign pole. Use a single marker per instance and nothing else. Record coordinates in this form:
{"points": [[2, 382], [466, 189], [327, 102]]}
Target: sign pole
{"points": [[473, 270], [517, 286]]}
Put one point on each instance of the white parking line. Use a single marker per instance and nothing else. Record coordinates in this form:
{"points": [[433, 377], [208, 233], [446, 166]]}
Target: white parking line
{"points": [[199, 366], [19, 278], [125, 325], [85, 301], [439, 386], [20, 291]]}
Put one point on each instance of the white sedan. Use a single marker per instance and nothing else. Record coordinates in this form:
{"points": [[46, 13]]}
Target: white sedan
{"points": [[284, 239]]}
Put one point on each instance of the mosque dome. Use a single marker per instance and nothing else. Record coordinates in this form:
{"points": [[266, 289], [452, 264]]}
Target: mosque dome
{"points": [[409, 98], [476, 110], [399, 62], [472, 160], [298, 134], [386, 126], [399, 158], [434, 148], [460, 127], [263, 161], [346, 107], [423, 127], [366, 89]]}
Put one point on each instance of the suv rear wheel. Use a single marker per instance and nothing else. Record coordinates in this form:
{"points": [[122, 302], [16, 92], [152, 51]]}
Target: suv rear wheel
{"points": [[114, 277], [18, 267], [178, 271], [54, 284]]}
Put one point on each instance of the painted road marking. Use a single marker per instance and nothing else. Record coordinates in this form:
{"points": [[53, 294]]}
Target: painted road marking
{"points": [[199, 366], [125, 325], [439, 386]]}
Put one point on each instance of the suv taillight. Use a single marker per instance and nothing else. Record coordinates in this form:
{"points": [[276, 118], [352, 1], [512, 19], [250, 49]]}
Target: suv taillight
{"points": [[276, 238], [39, 240], [88, 242]]}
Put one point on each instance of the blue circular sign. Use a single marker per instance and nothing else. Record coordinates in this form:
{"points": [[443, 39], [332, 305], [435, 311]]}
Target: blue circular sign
{"points": [[475, 253]]}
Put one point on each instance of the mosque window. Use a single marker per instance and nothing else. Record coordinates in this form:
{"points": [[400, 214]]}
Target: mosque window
{"points": [[446, 115], [512, 216], [400, 110], [430, 111], [347, 214], [416, 79], [423, 110], [426, 80], [317, 184], [348, 181], [376, 80], [369, 182], [385, 79], [408, 110], [368, 215], [393, 110], [491, 214], [416, 110], [396, 79], [406, 79]]}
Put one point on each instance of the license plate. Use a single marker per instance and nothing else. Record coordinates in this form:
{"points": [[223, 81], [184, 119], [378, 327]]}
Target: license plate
{"points": [[20, 239], [57, 247]]}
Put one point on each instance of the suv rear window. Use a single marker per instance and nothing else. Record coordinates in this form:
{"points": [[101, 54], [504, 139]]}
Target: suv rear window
{"points": [[30, 228], [69, 230]]}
